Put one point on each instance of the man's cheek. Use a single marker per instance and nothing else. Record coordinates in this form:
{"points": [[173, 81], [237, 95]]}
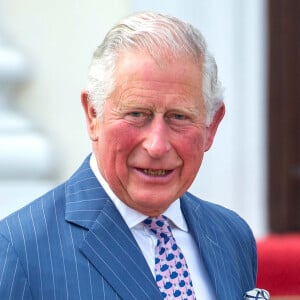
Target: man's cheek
{"points": [[193, 148], [125, 136]]}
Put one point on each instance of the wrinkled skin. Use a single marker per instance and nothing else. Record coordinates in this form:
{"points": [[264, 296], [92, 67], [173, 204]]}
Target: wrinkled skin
{"points": [[151, 140]]}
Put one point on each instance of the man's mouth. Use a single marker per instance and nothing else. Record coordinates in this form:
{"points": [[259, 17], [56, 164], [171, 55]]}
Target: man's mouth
{"points": [[152, 172]]}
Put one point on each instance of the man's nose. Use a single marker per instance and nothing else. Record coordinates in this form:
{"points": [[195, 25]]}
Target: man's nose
{"points": [[157, 141]]}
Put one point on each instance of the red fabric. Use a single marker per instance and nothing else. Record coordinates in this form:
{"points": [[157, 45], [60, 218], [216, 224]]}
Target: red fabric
{"points": [[279, 264]]}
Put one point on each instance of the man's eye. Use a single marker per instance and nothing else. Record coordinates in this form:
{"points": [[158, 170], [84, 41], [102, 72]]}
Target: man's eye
{"points": [[136, 114], [137, 118], [179, 117]]}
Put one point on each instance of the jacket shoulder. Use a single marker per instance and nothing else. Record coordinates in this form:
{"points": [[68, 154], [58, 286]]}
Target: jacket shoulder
{"points": [[33, 215], [46, 209], [215, 220], [215, 212], [219, 228]]}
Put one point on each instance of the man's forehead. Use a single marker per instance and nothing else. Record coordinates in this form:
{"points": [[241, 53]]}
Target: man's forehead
{"points": [[160, 56]]}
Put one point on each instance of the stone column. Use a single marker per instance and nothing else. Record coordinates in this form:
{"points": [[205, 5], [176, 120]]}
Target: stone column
{"points": [[26, 157]]}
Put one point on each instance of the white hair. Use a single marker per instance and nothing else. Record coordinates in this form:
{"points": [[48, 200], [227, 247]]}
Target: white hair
{"points": [[158, 35]]}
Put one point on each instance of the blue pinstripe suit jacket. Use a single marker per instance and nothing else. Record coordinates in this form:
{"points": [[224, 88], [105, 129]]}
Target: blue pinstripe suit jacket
{"points": [[72, 243]]}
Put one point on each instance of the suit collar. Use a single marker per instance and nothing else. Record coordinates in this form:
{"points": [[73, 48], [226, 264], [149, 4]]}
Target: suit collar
{"points": [[209, 238], [108, 244], [88, 206], [110, 236], [85, 197]]}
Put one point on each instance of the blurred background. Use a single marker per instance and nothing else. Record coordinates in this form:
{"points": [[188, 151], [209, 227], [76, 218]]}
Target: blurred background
{"points": [[45, 50]]}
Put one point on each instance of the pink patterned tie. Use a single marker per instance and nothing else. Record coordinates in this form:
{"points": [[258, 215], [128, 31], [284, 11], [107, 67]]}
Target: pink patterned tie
{"points": [[172, 275]]}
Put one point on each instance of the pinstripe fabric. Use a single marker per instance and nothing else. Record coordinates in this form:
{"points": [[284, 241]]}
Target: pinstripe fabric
{"points": [[72, 243], [227, 246]]}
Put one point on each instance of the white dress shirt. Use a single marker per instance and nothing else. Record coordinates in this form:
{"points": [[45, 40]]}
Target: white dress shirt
{"points": [[147, 241]]}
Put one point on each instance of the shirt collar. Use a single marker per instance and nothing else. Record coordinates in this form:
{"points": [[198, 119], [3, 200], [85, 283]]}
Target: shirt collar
{"points": [[131, 216]]}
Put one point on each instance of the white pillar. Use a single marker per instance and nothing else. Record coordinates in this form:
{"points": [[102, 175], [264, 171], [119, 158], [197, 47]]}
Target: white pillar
{"points": [[26, 160]]}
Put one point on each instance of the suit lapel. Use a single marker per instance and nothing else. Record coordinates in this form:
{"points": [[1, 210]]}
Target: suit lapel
{"points": [[111, 248], [210, 239], [109, 244]]}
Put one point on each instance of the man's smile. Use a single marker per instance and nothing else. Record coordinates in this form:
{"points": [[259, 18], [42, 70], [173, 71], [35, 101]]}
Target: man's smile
{"points": [[152, 172]]}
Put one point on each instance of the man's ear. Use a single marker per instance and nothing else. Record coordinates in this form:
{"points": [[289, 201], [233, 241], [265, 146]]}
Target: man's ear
{"points": [[90, 115], [212, 128]]}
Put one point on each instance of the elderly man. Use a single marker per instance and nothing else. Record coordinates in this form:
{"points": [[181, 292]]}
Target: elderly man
{"points": [[124, 226]]}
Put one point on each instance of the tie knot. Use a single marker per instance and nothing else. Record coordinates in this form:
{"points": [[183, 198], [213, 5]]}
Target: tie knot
{"points": [[159, 226]]}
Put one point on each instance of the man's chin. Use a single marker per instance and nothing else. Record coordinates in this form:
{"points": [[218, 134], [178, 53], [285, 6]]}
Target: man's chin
{"points": [[151, 205]]}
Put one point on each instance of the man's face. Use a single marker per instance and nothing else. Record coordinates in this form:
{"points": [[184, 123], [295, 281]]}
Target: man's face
{"points": [[151, 140]]}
